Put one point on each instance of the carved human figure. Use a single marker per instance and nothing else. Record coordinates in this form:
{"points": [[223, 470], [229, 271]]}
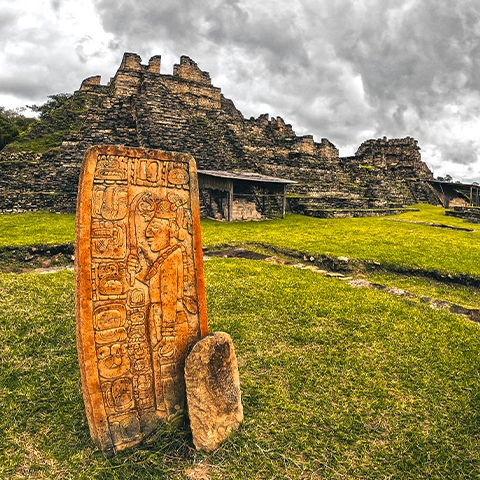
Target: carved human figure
{"points": [[160, 266], [140, 293]]}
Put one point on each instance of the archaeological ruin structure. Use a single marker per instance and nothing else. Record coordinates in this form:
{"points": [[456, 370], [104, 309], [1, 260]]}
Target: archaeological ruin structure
{"points": [[184, 112]]}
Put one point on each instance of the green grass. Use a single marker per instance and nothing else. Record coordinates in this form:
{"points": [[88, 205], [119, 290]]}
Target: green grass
{"points": [[468, 297], [337, 383], [361, 384], [41, 144], [430, 213], [382, 239], [36, 228], [393, 243]]}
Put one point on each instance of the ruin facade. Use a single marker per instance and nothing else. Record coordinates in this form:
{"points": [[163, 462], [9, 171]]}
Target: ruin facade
{"points": [[184, 112]]}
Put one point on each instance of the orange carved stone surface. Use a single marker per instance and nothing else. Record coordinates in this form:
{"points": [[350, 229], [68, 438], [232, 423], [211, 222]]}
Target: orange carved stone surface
{"points": [[140, 293]]}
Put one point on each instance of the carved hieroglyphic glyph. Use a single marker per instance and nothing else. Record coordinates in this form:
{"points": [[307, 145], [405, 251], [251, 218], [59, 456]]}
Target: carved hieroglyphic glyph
{"points": [[140, 294]]}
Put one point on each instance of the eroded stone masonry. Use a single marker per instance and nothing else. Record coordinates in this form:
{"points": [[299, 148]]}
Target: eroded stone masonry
{"points": [[184, 112]]}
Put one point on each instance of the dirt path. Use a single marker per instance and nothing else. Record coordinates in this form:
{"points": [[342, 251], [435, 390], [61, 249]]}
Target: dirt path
{"points": [[472, 314], [52, 259]]}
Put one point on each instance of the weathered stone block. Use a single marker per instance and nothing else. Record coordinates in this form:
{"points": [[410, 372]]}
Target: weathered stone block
{"points": [[213, 390]]}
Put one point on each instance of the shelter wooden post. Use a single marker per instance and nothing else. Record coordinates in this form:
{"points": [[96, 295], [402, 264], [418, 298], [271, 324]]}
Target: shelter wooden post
{"points": [[230, 202]]}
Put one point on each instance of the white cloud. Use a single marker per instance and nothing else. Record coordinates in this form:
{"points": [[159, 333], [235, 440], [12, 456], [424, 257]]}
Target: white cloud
{"points": [[48, 48], [347, 70]]}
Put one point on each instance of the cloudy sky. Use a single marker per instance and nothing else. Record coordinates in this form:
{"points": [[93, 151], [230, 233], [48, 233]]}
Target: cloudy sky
{"points": [[347, 70]]}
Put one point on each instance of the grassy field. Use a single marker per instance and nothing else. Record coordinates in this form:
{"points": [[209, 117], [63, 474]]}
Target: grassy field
{"points": [[402, 240], [383, 239], [36, 228], [337, 382], [406, 241]]}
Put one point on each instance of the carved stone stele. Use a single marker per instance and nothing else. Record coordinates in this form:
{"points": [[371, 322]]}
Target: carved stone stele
{"points": [[213, 390], [140, 293]]}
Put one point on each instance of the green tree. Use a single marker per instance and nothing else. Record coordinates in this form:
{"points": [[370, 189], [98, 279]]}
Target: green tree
{"points": [[54, 102], [12, 124]]}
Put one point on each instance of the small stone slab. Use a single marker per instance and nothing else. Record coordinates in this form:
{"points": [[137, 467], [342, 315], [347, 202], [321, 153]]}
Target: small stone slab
{"points": [[213, 390], [140, 293]]}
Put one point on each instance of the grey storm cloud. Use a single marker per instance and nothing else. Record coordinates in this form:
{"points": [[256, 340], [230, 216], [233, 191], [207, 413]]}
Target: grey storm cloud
{"points": [[272, 35], [347, 70], [7, 21], [56, 4], [463, 153], [422, 55]]}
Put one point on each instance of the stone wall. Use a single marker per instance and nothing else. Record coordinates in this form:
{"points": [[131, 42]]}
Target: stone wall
{"points": [[184, 112], [469, 214], [32, 181]]}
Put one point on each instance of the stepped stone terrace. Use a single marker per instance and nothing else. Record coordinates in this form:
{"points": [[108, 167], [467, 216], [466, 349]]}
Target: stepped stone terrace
{"points": [[184, 112]]}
